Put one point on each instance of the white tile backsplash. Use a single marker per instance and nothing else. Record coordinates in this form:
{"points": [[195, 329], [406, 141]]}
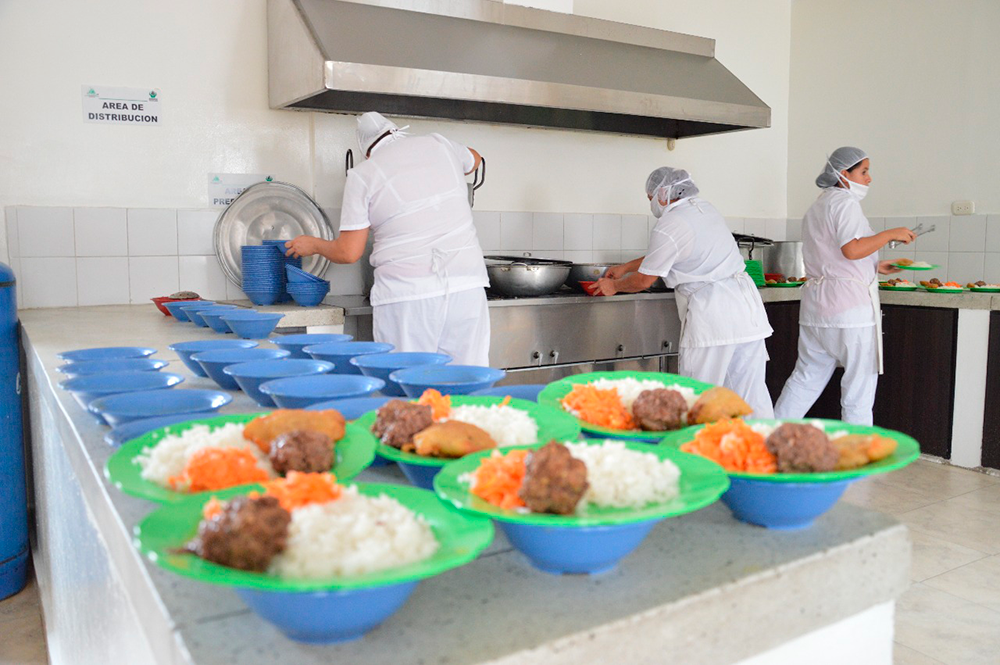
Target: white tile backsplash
{"points": [[102, 280], [346, 279], [547, 231], [152, 232], [991, 268], [937, 240], [152, 276], [607, 232], [793, 229], [203, 275], [45, 232], [515, 230], [487, 229], [609, 256], [735, 224], [635, 232], [993, 233], [578, 232], [755, 227], [49, 282], [965, 267], [776, 229], [579, 255], [194, 232], [13, 246], [100, 231], [877, 224], [967, 234], [939, 259]]}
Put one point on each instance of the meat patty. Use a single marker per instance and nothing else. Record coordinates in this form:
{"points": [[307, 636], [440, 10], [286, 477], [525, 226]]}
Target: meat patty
{"points": [[554, 480], [246, 534], [308, 452], [398, 421], [802, 449], [659, 410]]}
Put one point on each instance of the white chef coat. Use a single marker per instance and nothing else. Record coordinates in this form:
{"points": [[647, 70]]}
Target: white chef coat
{"points": [[840, 297], [694, 252], [412, 193]]}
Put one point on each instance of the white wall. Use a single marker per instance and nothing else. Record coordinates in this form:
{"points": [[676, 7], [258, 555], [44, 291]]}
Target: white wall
{"points": [[913, 83]]}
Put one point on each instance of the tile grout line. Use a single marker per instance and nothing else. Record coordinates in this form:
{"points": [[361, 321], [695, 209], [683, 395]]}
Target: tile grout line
{"points": [[903, 644]]}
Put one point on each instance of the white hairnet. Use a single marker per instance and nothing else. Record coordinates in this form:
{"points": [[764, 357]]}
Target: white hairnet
{"points": [[371, 126], [841, 159], [676, 182]]}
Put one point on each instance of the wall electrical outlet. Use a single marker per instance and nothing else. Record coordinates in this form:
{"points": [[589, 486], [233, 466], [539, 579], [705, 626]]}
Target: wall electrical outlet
{"points": [[963, 207]]}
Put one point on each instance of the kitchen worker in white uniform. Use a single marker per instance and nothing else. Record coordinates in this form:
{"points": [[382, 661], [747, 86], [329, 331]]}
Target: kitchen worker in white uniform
{"points": [[430, 275], [840, 321], [723, 322]]}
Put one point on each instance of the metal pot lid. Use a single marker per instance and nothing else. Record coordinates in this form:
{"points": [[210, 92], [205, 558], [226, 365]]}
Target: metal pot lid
{"points": [[269, 211], [526, 260]]}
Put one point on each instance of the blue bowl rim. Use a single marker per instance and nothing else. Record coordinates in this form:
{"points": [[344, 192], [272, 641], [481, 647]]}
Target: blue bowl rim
{"points": [[493, 374], [365, 361], [175, 380], [283, 340], [210, 360], [97, 406], [269, 389], [181, 347], [315, 348], [66, 367], [254, 315], [232, 370]]}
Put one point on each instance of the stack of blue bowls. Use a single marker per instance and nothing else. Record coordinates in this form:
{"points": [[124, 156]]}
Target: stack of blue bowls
{"points": [[289, 261], [305, 288], [263, 269]]}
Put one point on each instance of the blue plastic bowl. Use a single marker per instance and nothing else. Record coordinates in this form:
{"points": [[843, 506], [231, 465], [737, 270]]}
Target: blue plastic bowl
{"points": [[90, 367], [251, 375], [197, 316], [419, 475], [137, 428], [263, 297], [527, 391], [250, 324], [85, 389], [576, 550], [296, 343], [381, 365], [323, 617], [126, 407], [298, 392], [213, 317], [106, 353], [340, 353], [308, 298], [213, 362], [785, 506], [175, 308], [185, 350], [190, 310], [296, 275], [447, 379], [352, 409]]}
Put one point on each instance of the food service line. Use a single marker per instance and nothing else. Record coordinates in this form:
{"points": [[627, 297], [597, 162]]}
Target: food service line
{"points": [[851, 565]]}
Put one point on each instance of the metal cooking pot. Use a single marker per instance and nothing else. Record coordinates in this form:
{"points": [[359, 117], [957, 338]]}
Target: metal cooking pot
{"points": [[748, 244], [477, 181], [585, 272], [520, 277], [784, 257]]}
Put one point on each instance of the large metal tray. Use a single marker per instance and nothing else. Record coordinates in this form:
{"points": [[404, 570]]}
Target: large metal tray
{"points": [[269, 211]]}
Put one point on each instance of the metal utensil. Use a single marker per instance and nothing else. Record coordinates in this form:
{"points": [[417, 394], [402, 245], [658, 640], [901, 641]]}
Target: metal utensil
{"points": [[585, 272], [525, 277], [477, 181], [918, 230]]}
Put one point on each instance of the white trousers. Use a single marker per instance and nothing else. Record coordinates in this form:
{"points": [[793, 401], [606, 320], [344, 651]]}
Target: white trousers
{"points": [[739, 367], [457, 324], [820, 350]]}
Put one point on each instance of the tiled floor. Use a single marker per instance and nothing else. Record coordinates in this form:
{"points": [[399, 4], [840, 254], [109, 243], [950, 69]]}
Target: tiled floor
{"points": [[950, 614]]}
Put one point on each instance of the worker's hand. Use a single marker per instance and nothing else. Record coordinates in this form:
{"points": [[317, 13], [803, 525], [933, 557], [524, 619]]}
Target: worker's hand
{"points": [[302, 246], [901, 234], [616, 272], [606, 286], [886, 268]]}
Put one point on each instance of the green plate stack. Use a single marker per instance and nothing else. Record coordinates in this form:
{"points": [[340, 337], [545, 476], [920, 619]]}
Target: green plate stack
{"points": [[756, 271]]}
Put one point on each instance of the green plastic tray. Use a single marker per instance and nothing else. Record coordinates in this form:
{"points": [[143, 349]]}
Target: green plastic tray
{"points": [[950, 289], [784, 285], [930, 267], [354, 453], [701, 483], [554, 392], [552, 424], [897, 288], [461, 537], [982, 289], [906, 452]]}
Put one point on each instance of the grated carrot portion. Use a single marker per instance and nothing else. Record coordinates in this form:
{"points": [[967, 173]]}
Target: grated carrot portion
{"points": [[212, 508], [598, 406], [505, 401], [440, 404], [218, 468], [733, 445], [498, 479], [301, 489]]}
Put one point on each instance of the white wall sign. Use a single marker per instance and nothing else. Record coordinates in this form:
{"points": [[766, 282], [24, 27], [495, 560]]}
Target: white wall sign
{"points": [[223, 188], [121, 106]]}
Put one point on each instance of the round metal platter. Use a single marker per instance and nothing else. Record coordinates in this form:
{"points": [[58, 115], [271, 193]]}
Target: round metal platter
{"points": [[269, 211]]}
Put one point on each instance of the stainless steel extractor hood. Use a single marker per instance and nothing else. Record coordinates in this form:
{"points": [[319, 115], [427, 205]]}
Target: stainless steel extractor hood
{"points": [[484, 61]]}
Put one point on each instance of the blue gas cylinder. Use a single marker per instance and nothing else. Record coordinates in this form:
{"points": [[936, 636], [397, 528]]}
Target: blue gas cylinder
{"points": [[13, 497]]}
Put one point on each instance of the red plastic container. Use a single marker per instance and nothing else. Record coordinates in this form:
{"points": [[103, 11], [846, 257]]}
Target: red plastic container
{"points": [[159, 303]]}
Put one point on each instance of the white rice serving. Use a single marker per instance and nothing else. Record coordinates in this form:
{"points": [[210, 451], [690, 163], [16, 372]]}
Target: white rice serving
{"points": [[623, 478], [766, 430], [630, 389], [169, 457], [353, 535], [505, 424]]}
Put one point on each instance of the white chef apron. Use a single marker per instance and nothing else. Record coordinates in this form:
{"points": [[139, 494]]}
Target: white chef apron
{"points": [[876, 307], [684, 296]]}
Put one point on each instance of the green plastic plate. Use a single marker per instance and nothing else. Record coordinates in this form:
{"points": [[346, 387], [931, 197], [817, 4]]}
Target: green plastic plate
{"points": [[897, 288], [354, 453], [701, 483], [984, 289], [950, 289], [784, 285], [555, 391], [461, 538], [930, 267], [907, 451], [552, 424]]}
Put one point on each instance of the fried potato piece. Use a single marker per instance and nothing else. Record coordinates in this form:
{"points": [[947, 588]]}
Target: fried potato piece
{"points": [[265, 429], [717, 403], [451, 438], [858, 450]]}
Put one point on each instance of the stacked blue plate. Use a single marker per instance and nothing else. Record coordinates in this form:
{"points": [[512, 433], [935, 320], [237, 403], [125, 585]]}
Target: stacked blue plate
{"points": [[289, 261], [308, 295], [263, 269]]}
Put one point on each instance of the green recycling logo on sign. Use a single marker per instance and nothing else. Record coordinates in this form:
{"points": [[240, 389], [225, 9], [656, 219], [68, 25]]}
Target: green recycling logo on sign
{"points": [[152, 94], [268, 179], [91, 93], [215, 179]]}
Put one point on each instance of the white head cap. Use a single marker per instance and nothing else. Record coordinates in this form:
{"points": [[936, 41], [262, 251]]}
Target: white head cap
{"points": [[842, 159], [371, 127], [675, 183]]}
